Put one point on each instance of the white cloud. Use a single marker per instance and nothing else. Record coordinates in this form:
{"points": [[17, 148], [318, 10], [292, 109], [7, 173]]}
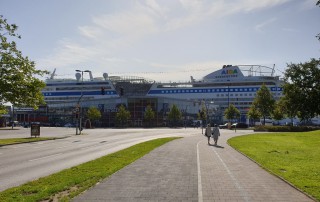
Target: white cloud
{"points": [[91, 32], [254, 5], [124, 24], [156, 8], [68, 53], [109, 35], [260, 27]]}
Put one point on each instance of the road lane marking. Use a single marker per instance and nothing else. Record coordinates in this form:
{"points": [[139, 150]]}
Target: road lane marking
{"points": [[242, 191], [63, 147], [200, 197], [45, 157]]}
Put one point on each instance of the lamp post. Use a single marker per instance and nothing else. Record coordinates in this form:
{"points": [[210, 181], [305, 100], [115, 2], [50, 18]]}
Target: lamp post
{"points": [[207, 105], [79, 103], [185, 117], [228, 92]]}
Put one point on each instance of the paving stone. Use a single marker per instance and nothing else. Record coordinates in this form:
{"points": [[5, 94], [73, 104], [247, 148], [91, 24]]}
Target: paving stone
{"points": [[170, 173]]}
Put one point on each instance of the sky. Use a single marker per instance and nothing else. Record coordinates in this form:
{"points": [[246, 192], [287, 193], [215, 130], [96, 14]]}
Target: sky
{"points": [[163, 40]]}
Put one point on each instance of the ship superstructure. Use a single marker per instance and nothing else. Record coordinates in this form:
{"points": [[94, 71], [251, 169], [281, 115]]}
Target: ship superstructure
{"points": [[230, 85], [71, 90]]}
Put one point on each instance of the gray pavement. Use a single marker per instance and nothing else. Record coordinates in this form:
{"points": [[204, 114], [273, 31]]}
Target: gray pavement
{"points": [[188, 169], [20, 132]]}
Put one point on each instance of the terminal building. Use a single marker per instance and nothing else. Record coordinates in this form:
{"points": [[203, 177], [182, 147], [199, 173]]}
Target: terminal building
{"points": [[235, 85]]}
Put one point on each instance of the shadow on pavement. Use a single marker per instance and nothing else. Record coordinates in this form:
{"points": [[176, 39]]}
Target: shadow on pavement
{"points": [[221, 147]]}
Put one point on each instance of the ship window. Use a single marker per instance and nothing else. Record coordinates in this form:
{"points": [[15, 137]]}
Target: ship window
{"points": [[233, 84], [82, 88]]}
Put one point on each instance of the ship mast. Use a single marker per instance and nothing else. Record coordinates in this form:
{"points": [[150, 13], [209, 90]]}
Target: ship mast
{"points": [[53, 74]]}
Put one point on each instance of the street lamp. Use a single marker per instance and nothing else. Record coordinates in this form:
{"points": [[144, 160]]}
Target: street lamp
{"points": [[79, 103], [207, 105], [228, 93]]}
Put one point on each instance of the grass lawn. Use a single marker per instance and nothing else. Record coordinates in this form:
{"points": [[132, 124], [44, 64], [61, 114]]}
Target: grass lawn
{"points": [[292, 156], [24, 140], [70, 182]]}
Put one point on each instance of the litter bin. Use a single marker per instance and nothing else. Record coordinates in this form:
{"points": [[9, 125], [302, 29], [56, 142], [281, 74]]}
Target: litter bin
{"points": [[35, 129]]}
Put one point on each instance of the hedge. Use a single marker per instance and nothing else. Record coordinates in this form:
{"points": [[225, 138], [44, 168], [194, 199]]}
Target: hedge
{"points": [[285, 128]]}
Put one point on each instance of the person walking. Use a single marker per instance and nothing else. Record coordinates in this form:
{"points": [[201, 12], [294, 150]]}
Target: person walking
{"points": [[215, 134], [208, 133]]}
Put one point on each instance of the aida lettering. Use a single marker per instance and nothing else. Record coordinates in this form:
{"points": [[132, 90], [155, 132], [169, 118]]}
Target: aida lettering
{"points": [[229, 72]]}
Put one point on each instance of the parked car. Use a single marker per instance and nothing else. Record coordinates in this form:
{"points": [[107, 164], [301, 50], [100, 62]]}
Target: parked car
{"points": [[13, 123], [25, 125], [239, 125], [223, 126], [68, 125]]}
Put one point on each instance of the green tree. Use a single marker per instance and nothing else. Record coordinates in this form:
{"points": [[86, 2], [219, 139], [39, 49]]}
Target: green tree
{"points": [[290, 102], [279, 110], [3, 110], [174, 115], [93, 114], [18, 84], [254, 113], [264, 102], [302, 89], [122, 115], [149, 114], [231, 113]]}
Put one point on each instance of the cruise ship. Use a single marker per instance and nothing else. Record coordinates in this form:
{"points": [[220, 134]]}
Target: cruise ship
{"points": [[71, 90], [236, 84], [232, 84]]}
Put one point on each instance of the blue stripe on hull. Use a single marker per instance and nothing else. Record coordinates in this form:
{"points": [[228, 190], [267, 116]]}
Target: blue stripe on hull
{"points": [[48, 94], [210, 90], [85, 84]]}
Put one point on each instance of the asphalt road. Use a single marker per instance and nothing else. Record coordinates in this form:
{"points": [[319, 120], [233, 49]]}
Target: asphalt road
{"points": [[21, 163]]}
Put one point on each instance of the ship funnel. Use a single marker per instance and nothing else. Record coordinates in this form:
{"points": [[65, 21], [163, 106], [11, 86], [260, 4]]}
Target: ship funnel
{"points": [[90, 74], [78, 76], [105, 76]]}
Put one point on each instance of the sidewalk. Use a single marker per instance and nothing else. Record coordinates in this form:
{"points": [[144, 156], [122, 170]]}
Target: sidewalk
{"points": [[188, 169]]}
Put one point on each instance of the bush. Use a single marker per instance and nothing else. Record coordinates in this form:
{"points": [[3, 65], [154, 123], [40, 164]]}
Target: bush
{"points": [[285, 128]]}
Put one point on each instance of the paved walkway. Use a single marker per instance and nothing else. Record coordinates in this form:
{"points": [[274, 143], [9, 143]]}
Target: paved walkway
{"points": [[188, 169]]}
